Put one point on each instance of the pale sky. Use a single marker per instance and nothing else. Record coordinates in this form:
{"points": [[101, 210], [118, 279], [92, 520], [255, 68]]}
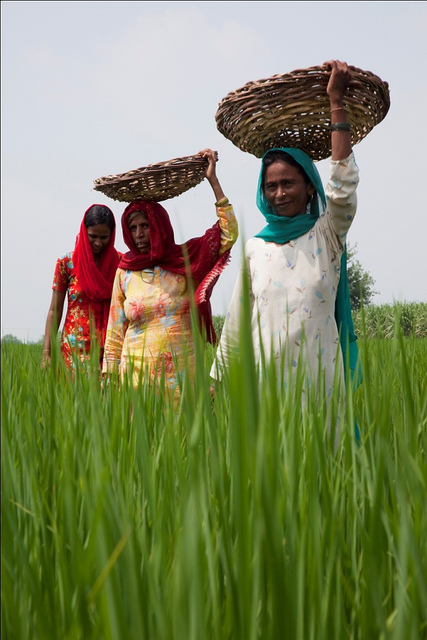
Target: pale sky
{"points": [[97, 88]]}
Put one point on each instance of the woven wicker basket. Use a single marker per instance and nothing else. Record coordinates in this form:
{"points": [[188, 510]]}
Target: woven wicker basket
{"points": [[293, 110], [154, 182]]}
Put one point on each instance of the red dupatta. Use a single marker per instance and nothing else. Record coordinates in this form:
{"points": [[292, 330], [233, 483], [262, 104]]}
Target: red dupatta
{"points": [[198, 258], [96, 281]]}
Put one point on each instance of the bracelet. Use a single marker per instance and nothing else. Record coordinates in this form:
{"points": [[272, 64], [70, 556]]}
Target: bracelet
{"points": [[340, 126], [222, 203], [337, 109]]}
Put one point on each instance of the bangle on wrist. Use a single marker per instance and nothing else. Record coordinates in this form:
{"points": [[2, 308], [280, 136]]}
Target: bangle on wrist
{"points": [[337, 109], [222, 203], [340, 126]]}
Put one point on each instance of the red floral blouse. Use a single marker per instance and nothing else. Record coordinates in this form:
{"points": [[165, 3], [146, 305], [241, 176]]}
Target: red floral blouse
{"points": [[76, 332]]}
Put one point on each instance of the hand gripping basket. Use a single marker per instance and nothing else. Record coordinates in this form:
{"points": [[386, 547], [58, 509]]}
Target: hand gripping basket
{"points": [[156, 181], [293, 110]]}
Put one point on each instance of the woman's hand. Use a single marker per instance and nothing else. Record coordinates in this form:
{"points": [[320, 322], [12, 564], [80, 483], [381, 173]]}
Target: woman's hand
{"points": [[338, 80], [212, 158], [45, 359], [210, 172]]}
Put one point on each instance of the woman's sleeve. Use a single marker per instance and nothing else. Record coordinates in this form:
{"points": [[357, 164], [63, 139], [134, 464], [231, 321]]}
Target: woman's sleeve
{"points": [[61, 277], [228, 346], [341, 199], [116, 328], [229, 228]]}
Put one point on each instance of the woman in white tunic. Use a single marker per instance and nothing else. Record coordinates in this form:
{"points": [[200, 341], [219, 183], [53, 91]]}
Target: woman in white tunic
{"points": [[296, 266]]}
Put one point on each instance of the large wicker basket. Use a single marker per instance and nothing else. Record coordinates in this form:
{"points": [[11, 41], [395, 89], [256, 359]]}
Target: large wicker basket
{"points": [[157, 182], [292, 110]]}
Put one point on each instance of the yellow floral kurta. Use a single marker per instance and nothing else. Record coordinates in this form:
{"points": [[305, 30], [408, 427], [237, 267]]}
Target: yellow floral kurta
{"points": [[149, 328]]}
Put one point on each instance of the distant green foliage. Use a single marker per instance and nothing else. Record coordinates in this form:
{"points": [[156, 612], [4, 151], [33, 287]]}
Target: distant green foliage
{"points": [[10, 338], [382, 321], [218, 323], [360, 282], [379, 321], [13, 339]]}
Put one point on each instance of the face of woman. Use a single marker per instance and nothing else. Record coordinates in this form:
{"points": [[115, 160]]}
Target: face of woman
{"points": [[286, 190], [98, 236], [140, 232]]}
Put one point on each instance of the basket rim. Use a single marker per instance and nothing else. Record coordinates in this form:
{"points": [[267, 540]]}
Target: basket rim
{"points": [[155, 182], [296, 103], [158, 167]]}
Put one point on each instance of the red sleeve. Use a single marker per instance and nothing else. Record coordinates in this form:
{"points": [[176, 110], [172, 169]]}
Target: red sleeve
{"points": [[61, 278], [203, 252]]}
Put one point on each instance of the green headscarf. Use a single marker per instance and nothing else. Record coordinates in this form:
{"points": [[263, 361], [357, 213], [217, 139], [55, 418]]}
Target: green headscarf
{"points": [[282, 229]]}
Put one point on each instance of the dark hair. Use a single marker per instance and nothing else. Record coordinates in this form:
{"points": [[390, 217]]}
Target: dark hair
{"points": [[99, 214], [281, 156]]}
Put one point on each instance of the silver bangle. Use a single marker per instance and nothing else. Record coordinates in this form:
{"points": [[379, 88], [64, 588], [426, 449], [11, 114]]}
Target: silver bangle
{"points": [[340, 126]]}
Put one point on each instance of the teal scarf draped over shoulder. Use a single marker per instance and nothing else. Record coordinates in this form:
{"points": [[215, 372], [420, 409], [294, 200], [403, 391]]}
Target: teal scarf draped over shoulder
{"points": [[281, 229]]}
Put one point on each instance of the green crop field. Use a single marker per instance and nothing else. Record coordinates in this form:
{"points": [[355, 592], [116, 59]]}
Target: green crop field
{"points": [[124, 517]]}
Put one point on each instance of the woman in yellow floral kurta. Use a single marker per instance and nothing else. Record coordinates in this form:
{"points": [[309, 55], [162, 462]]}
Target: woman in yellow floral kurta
{"points": [[149, 328]]}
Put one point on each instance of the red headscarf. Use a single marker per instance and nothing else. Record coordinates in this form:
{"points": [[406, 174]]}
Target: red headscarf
{"points": [[198, 258], [96, 281]]}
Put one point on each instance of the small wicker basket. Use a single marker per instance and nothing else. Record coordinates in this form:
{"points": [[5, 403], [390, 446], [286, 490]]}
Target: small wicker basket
{"points": [[292, 110], [157, 182]]}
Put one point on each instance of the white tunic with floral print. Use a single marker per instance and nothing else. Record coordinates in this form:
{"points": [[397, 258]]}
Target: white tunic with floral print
{"points": [[292, 289]]}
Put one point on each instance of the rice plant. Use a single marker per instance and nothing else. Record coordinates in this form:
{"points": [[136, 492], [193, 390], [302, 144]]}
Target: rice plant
{"points": [[382, 321], [233, 518]]}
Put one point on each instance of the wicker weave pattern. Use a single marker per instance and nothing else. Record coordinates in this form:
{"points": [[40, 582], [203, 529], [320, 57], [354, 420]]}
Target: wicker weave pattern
{"points": [[156, 182], [293, 110]]}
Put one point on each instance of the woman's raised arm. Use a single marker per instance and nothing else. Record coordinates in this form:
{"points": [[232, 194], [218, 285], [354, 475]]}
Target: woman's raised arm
{"points": [[210, 173], [340, 128]]}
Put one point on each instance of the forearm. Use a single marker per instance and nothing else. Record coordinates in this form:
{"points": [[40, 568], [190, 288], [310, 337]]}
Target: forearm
{"points": [[341, 139], [341, 195], [340, 131], [228, 225], [216, 188], [226, 217], [48, 333], [53, 320]]}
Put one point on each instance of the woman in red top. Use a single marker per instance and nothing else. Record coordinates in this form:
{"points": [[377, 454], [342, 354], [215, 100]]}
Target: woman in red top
{"points": [[86, 275]]}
